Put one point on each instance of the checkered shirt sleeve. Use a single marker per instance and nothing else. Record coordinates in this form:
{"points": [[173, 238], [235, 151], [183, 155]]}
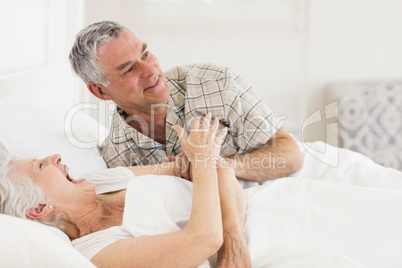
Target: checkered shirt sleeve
{"points": [[229, 98]]}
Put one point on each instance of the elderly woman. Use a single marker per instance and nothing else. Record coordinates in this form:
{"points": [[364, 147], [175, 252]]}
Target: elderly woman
{"points": [[42, 190]]}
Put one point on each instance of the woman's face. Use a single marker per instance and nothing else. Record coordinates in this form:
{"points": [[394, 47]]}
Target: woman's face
{"points": [[51, 176]]}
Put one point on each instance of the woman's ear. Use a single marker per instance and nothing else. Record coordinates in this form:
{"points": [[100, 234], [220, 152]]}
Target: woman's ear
{"points": [[41, 211], [98, 91]]}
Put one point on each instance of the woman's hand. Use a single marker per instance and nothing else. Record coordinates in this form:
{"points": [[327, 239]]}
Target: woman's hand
{"points": [[202, 143]]}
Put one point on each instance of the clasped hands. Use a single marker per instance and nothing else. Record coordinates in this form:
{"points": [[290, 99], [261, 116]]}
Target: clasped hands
{"points": [[201, 146]]}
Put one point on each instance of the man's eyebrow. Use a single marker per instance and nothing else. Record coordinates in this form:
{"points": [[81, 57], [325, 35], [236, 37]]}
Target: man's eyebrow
{"points": [[144, 47], [124, 65]]}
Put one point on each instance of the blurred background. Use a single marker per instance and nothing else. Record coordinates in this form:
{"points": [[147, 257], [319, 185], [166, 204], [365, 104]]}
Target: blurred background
{"points": [[291, 51]]}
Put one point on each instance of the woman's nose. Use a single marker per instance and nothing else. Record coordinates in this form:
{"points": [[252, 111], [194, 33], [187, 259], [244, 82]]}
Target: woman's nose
{"points": [[53, 159]]}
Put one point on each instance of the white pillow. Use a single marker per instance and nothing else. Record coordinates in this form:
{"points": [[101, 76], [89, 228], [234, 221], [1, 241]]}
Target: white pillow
{"points": [[36, 131], [39, 130], [2, 147], [25, 243]]}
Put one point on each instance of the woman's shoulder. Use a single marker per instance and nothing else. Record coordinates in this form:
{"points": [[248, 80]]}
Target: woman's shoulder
{"points": [[111, 180]]}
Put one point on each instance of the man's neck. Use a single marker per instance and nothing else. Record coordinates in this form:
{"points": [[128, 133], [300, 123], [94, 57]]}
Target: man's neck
{"points": [[151, 124]]}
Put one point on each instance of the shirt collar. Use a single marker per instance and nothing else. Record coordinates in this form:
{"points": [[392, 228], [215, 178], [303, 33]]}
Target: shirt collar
{"points": [[121, 131]]}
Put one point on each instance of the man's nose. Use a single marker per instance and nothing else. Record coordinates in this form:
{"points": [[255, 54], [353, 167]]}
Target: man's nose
{"points": [[147, 69]]}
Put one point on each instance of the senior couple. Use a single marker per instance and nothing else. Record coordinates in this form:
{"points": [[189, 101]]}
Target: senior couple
{"points": [[199, 122]]}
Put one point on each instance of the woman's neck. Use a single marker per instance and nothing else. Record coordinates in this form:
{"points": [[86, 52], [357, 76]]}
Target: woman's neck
{"points": [[105, 213]]}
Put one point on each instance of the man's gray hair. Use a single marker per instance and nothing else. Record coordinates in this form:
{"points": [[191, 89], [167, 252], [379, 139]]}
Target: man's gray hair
{"points": [[88, 44], [18, 193]]}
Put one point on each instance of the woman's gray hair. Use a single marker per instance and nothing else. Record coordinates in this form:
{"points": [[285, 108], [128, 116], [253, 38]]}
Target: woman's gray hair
{"points": [[18, 193], [88, 43]]}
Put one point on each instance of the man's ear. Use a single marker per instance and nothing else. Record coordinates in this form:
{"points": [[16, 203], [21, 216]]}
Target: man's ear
{"points": [[41, 211], [98, 91]]}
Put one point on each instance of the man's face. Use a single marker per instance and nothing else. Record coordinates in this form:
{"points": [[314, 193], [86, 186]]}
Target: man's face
{"points": [[136, 82]]}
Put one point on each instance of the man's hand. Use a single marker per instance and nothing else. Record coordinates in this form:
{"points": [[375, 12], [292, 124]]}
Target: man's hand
{"points": [[233, 253], [182, 166]]}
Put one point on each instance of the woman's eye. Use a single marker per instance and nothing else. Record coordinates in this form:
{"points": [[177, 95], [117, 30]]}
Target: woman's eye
{"points": [[40, 165]]}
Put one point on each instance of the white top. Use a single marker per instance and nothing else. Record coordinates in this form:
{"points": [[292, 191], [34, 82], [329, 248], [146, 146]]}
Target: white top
{"points": [[155, 204]]}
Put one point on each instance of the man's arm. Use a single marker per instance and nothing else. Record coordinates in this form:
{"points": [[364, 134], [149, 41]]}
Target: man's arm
{"points": [[281, 157]]}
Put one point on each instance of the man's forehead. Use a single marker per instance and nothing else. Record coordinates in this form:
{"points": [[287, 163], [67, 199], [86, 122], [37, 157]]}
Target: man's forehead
{"points": [[129, 36], [125, 40], [120, 50]]}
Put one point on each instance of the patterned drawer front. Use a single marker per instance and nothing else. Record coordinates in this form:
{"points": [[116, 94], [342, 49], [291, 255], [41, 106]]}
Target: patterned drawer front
{"points": [[370, 120]]}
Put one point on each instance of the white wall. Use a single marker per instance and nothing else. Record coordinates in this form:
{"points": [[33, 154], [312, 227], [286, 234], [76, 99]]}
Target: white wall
{"points": [[289, 50], [36, 38], [351, 40]]}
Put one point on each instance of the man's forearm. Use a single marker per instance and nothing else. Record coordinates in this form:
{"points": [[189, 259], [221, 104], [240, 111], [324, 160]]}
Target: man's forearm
{"points": [[281, 157]]}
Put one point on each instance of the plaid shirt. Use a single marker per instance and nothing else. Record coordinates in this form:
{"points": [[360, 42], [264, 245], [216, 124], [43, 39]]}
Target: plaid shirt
{"points": [[195, 90]]}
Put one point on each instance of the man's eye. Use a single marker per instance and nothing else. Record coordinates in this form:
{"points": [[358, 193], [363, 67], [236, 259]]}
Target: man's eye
{"points": [[129, 70], [40, 165], [146, 54]]}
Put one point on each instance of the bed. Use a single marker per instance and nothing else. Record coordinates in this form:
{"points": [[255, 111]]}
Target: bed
{"points": [[343, 215]]}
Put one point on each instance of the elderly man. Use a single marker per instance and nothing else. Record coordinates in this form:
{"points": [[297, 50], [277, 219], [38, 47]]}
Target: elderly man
{"points": [[116, 65]]}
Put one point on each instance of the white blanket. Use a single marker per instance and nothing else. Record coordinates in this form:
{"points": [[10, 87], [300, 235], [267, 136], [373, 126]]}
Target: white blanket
{"points": [[296, 222]]}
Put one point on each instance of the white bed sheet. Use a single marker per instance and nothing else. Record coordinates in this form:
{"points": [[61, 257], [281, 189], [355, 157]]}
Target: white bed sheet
{"points": [[332, 164], [291, 222], [307, 223]]}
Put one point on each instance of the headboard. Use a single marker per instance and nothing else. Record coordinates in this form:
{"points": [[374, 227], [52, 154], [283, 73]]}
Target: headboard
{"points": [[370, 119]]}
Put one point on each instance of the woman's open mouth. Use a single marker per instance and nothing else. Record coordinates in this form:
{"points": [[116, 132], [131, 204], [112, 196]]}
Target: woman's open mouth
{"points": [[71, 179], [68, 176]]}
